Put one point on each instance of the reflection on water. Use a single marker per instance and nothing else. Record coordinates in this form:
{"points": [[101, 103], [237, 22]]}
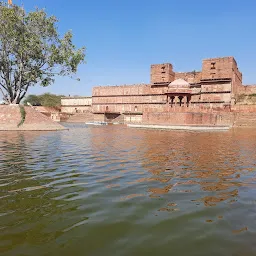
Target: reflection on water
{"points": [[118, 191]]}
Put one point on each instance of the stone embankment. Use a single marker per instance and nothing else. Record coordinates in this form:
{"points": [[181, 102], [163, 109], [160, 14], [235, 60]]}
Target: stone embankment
{"points": [[80, 118], [245, 120], [10, 117]]}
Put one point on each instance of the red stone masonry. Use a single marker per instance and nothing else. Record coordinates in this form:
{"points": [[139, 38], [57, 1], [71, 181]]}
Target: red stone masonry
{"points": [[10, 117], [162, 73], [214, 89], [193, 77]]}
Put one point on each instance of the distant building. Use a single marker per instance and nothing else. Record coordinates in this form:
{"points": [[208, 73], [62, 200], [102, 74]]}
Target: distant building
{"points": [[75, 104], [176, 98]]}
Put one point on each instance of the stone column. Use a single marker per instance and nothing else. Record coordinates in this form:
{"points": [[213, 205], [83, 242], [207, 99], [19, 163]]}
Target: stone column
{"points": [[176, 100], [183, 101], [172, 99], [180, 98]]}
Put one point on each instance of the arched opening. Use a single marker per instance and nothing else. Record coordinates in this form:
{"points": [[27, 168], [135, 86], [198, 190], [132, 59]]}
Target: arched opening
{"points": [[180, 99], [172, 101], [135, 108], [188, 100], [107, 108]]}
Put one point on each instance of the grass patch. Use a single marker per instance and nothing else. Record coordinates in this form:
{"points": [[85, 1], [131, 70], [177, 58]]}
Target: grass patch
{"points": [[22, 115]]}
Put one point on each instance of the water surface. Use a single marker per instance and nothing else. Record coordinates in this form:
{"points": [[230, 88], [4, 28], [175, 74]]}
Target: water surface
{"points": [[121, 191]]}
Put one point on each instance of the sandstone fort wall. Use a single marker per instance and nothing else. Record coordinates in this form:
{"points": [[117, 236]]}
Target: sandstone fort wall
{"points": [[246, 89], [162, 73], [80, 101], [209, 98], [220, 68], [190, 77], [76, 104], [188, 118], [127, 90]]}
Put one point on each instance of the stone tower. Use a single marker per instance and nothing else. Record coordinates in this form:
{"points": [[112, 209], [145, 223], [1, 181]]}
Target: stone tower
{"points": [[222, 69], [162, 73]]}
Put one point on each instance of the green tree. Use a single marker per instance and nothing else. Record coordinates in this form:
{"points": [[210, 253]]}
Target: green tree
{"points": [[46, 99], [32, 99], [32, 52], [50, 100]]}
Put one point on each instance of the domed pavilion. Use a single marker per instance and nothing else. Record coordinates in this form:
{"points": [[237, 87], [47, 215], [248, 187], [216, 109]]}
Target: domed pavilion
{"points": [[179, 93]]}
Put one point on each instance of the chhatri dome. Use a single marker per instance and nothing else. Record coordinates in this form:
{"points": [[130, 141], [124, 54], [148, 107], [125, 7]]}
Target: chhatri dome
{"points": [[179, 83]]}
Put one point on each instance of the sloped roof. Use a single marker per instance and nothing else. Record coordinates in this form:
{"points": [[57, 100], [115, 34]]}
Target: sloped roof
{"points": [[180, 83]]}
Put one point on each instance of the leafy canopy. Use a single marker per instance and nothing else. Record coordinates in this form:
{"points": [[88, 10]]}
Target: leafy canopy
{"points": [[32, 99], [32, 52]]}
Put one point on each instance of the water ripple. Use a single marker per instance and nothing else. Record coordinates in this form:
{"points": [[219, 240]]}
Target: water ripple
{"points": [[118, 191]]}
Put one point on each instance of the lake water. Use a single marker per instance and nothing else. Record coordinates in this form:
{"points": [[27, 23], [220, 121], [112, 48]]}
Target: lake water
{"points": [[113, 190]]}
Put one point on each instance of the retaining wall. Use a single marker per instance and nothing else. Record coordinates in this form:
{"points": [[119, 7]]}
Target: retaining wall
{"points": [[10, 117]]}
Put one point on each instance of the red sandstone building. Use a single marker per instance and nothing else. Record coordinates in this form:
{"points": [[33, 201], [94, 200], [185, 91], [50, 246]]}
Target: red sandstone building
{"points": [[172, 98]]}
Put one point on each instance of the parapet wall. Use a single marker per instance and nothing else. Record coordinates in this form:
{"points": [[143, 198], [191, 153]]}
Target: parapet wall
{"points": [[246, 89], [190, 77], [99, 91]]}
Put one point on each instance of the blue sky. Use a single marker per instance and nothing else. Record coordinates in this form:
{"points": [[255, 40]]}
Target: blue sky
{"points": [[124, 37]]}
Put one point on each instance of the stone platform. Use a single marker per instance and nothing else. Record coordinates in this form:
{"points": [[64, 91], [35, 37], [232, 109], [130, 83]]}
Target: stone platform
{"points": [[182, 127], [10, 117]]}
